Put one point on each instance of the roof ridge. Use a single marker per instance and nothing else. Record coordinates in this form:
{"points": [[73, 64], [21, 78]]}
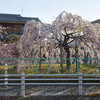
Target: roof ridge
{"points": [[29, 17]]}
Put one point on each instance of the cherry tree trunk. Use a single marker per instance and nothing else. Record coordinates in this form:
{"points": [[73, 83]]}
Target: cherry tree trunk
{"points": [[68, 59], [67, 49], [40, 64], [61, 60], [40, 59], [76, 54]]}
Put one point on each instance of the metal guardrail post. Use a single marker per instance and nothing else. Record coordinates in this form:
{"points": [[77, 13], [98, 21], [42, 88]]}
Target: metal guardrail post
{"points": [[23, 84], [80, 84]]}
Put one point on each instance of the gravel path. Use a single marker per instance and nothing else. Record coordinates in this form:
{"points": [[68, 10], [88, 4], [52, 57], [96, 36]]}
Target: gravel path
{"points": [[48, 90]]}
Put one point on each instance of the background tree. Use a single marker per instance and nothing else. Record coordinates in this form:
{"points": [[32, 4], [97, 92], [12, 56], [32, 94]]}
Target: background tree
{"points": [[9, 51]]}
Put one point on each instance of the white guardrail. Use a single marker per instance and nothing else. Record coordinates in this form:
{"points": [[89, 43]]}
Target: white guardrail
{"points": [[79, 78]]}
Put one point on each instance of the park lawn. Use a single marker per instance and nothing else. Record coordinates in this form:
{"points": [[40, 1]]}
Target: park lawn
{"points": [[84, 68]]}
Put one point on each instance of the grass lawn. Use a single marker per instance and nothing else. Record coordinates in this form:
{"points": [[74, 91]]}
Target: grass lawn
{"points": [[84, 68]]}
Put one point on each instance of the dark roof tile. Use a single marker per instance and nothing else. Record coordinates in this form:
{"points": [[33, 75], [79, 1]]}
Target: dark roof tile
{"points": [[15, 17]]}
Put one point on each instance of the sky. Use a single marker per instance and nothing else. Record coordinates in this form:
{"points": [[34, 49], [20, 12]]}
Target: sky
{"points": [[48, 10]]}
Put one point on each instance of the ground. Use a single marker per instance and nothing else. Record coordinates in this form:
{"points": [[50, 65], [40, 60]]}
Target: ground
{"points": [[84, 68], [52, 98]]}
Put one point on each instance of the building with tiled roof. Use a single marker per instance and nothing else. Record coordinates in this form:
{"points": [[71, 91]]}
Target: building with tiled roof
{"points": [[96, 21], [15, 22]]}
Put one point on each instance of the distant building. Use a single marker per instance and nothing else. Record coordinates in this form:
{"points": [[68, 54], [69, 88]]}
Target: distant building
{"points": [[96, 21], [15, 23]]}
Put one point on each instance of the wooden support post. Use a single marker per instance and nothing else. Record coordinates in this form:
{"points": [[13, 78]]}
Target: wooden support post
{"points": [[23, 84], [80, 84]]}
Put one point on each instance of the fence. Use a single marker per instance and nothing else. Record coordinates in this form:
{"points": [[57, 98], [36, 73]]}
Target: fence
{"points": [[78, 77], [79, 68]]}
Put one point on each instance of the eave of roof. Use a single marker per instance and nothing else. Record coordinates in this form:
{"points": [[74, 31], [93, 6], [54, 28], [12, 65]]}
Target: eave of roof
{"points": [[12, 22], [15, 18]]}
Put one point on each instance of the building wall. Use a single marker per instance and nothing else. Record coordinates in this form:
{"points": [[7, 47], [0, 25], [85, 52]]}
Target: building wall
{"points": [[13, 27]]}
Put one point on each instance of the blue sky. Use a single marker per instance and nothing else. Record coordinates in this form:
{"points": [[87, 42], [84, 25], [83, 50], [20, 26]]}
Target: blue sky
{"points": [[47, 10]]}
